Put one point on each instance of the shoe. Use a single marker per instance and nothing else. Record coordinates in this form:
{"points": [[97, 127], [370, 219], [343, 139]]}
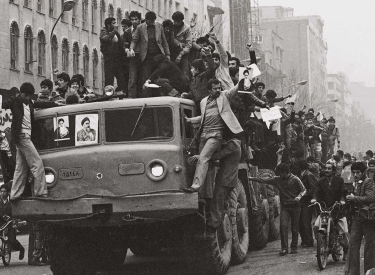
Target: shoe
{"points": [[293, 251], [283, 252], [22, 254], [190, 190]]}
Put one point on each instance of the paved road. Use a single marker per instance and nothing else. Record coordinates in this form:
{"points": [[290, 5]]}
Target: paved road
{"points": [[171, 262]]}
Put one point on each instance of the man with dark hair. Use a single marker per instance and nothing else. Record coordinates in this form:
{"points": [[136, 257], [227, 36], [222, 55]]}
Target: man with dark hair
{"points": [[200, 78], [259, 89], [234, 62], [183, 39], [333, 135], [113, 52], [46, 87], [149, 40], [271, 98], [369, 155], [22, 108], [63, 80], [221, 64], [216, 116], [135, 64], [291, 191], [309, 181], [331, 189], [363, 197]]}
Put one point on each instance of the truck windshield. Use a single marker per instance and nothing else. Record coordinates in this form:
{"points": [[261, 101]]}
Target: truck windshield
{"points": [[156, 123]]}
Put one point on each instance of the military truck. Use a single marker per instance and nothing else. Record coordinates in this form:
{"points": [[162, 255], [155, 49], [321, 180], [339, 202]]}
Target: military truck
{"points": [[115, 172]]}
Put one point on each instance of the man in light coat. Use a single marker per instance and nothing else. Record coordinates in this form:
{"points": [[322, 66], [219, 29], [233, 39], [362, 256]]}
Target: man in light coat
{"points": [[149, 40], [216, 116]]}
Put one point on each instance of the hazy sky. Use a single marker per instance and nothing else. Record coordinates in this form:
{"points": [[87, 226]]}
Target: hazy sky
{"points": [[349, 29]]}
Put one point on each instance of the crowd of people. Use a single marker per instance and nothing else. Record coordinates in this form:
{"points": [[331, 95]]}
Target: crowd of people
{"points": [[299, 144]]}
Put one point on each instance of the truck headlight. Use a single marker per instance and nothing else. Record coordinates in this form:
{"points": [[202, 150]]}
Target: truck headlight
{"points": [[51, 177], [156, 170]]}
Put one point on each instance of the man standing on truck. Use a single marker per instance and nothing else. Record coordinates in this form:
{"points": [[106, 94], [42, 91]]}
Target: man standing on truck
{"points": [[216, 116], [291, 191], [22, 108]]}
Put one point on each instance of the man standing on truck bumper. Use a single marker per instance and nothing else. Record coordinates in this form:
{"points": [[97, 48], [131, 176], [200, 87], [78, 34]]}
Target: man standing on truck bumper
{"points": [[216, 116], [291, 191], [22, 108]]}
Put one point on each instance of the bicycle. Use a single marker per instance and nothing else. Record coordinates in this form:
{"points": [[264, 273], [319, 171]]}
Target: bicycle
{"points": [[328, 238], [5, 245]]}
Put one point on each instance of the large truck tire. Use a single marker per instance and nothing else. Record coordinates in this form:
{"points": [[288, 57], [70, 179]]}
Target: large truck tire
{"points": [[71, 254], [146, 248], [259, 227], [210, 253], [240, 224]]}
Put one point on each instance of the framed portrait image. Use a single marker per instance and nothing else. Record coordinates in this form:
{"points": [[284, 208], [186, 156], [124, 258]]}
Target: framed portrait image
{"points": [[61, 128], [86, 129]]}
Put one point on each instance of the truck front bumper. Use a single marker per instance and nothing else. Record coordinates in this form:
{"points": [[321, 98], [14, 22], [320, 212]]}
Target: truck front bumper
{"points": [[108, 211]]}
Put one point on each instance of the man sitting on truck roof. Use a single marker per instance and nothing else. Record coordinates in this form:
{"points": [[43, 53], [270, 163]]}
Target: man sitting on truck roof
{"points": [[216, 117]]}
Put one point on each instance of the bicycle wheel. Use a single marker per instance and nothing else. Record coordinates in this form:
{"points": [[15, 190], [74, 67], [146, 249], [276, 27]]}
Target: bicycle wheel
{"points": [[5, 252], [322, 251]]}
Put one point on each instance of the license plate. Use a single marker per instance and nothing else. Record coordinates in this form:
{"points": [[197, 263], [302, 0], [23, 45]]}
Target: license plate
{"points": [[70, 174]]}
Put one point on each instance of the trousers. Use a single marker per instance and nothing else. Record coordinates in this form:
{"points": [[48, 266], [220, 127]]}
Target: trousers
{"points": [[305, 228], [112, 69], [135, 76], [359, 230], [210, 142], [27, 156], [289, 214], [217, 205]]}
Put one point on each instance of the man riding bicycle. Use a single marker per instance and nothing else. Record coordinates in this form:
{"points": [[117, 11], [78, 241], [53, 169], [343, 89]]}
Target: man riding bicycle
{"points": [[330, 189], [6, 211]]}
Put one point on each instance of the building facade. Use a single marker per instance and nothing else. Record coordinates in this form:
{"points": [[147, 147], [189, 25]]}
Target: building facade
{"points": [[304, 51], [28, 48]]}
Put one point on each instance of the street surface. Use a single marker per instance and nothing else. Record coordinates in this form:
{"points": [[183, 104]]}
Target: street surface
{"points": [[171, 262]]}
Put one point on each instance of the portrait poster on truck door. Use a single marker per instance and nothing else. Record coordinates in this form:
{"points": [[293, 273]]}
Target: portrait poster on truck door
{"points": [[86, 130], [61, 128]]}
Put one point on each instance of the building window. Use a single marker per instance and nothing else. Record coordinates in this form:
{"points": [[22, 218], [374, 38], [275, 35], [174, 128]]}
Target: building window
{"points": [[85, 11], [331, 85], [51, 8], [28, 49], [94, 8], [75, 58], [74, 15], [14, 35], [111, 12], [65, 55], [118, 19], [41, 53], [54, 48], [86, 65], [102, 13], [39, 6], [27, 3], [95, 62]]}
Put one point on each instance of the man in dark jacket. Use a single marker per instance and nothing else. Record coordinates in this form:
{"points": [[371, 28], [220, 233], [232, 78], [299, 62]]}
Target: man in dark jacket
{"points": [[135, 63], [364, 196], [23, 126], [331, 189], [166, 69], [291, 191], [113, 52], [309, 181]]}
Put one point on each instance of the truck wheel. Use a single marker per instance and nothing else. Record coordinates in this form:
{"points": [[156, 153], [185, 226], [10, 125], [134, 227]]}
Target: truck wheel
{"points": [[273, 231], [259, 227], [210, 253], [145, 248], [71, 254], [240, 224]]}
